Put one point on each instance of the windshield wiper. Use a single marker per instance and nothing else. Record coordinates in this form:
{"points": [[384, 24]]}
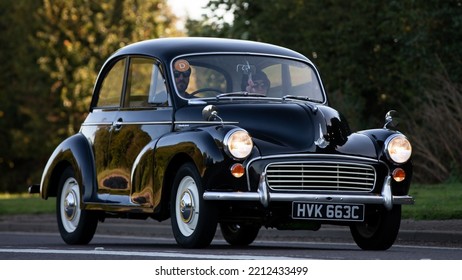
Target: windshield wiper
{"points": [[296, 97], [240, 93]]}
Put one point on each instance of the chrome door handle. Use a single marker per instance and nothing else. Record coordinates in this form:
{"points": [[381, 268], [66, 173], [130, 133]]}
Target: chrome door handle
{"points": [[117, 124]]}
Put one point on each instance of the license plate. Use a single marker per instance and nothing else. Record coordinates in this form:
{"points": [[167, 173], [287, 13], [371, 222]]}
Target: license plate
{"points": [[327, 211]]}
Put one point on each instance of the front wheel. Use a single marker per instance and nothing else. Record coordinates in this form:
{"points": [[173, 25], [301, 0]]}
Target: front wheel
{"points": [[76, 226], [239, 235], [194, 221], [379, 230]]}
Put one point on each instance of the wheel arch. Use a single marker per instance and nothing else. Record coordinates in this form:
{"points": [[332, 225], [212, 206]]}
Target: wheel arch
{"points": [[176, 162], [197, 147], [75, 152]]}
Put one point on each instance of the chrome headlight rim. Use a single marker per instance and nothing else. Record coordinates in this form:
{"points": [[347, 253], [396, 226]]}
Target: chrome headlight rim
{"points": [[229, 143], [394, 149]]}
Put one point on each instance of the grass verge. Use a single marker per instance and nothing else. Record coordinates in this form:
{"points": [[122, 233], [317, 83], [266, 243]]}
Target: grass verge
{"points": [[435, 202], [432, 202], [14, 204]]}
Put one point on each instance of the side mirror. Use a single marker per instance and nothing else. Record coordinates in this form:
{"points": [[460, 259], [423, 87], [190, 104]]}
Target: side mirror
{"points": [[209, 113], [391, 120]]}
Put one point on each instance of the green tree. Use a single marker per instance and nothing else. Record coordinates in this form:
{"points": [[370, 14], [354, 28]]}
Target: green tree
{"points": [[373, 55], [51, 52], [77, 36], [24, 101]]}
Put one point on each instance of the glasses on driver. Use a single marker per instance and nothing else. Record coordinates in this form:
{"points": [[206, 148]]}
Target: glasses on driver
{"points": [[185, 73]]}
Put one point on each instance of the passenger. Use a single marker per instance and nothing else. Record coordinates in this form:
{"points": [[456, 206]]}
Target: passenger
{"points": [[256, 83]]}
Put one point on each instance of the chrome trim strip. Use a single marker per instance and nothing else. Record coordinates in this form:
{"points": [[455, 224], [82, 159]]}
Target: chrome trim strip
{"points": [[96, 123], [158, 123], [145, 123], [205, 122]]}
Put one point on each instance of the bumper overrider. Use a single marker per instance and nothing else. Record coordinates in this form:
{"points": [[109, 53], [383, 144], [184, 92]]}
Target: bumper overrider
{"points": [[263, 195]]}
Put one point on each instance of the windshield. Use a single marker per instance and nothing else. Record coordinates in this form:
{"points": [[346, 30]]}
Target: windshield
{"points": [[221, 75]]}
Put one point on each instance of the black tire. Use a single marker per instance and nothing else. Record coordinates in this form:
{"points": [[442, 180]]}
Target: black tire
{"points": [[239, 235], [379, 230], [194, 221], [76, 226]]}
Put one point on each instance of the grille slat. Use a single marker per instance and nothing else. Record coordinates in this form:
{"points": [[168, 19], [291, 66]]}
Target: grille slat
{"points": [[320, 176]]}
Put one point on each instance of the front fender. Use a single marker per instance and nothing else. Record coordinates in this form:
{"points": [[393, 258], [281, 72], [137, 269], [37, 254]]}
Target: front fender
{"points": [[378, 137], [76, 152], [198, 145], [204, 146]]}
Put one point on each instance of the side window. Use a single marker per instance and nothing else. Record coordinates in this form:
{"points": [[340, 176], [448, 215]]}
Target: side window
{"points": [[111, 89], [146, 84]]}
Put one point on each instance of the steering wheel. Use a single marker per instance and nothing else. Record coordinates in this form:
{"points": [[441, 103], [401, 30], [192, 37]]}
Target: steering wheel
{"points": [[205, 90]]}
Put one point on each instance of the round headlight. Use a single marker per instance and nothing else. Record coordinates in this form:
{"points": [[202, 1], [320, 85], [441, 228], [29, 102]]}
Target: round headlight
{"points": [[398, 148], [238, 143]]}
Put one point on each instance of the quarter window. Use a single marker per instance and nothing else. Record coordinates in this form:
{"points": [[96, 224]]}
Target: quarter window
{"points": [[111, 89]]}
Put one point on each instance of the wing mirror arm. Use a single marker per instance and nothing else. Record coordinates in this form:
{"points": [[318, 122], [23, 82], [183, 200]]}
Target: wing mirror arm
{"points": [[210, 113], [391, 120]]}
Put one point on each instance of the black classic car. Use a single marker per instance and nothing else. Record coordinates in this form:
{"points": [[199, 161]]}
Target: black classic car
{"points": [[234, 133]]}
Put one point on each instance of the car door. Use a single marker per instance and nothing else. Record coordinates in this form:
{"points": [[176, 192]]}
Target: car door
{"points": [[130, 111], [144, 116], [99, 124]]}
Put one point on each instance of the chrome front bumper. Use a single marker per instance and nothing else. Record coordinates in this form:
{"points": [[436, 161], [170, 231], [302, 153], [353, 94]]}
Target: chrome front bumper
{"points": [[265, 197]]}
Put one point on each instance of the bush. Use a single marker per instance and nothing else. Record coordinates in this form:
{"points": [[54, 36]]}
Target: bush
{"points": [[436, 132]]}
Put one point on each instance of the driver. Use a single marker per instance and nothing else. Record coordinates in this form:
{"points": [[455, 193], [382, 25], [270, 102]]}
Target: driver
{"points": [[181, 73]]}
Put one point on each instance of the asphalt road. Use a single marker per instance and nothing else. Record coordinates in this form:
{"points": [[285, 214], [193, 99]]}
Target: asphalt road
{"points": [[438, 233], [37, 237]]}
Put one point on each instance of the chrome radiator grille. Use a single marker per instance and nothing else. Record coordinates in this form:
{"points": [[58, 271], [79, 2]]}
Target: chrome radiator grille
{"points": [[332, 176]]}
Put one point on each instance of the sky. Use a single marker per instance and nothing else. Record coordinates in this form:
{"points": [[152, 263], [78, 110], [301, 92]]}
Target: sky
{"points": [[190, 8], [185, 8]]}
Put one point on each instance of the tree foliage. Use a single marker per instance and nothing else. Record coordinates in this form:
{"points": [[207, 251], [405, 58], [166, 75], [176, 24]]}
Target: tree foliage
{"points": [[77, 36], [24, 101], [52, 52], [373, 55]]}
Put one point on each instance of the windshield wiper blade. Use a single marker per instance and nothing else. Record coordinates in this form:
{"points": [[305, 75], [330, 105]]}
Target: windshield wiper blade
{"points": [[305, 98], [240, 93]]}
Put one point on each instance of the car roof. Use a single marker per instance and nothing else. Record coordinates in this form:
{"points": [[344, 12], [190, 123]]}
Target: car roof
{"points": [[169, 48]]}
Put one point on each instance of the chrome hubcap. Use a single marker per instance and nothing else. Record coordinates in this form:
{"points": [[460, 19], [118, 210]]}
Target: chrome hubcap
{"points": [[70, 205], [186, 206]]}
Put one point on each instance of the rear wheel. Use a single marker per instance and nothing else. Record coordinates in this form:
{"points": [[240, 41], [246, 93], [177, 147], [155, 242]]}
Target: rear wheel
{"points": [[76, 226], [194, 221], [239, 235], [379, 230]]}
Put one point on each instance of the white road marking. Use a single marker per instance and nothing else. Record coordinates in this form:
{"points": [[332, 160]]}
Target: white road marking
{"points": [[176, 255]]}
